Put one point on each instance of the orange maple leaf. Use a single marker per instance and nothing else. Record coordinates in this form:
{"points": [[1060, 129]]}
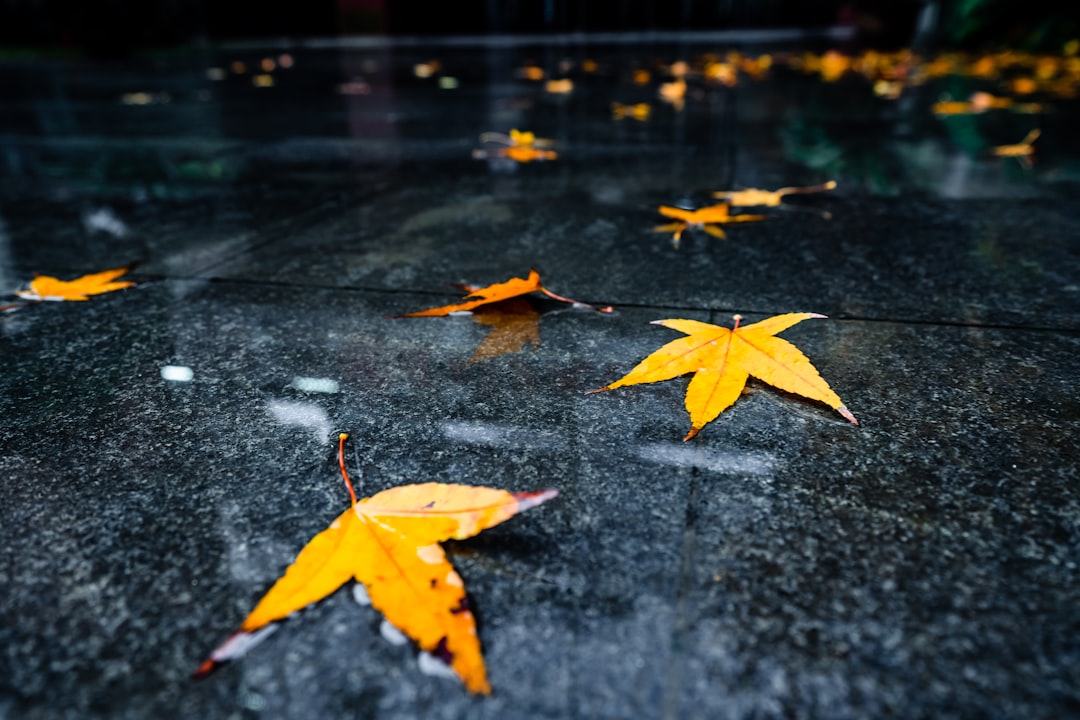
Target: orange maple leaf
{"points": [[44, 287], [952, 107], [708, 219], [639, 112], [722, 360], [1022, 150], [674, 93], [519, 146], [752, 197], [390, 543], [496, 292]]}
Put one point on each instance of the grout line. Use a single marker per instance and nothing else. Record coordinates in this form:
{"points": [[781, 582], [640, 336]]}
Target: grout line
{"points": [[681, 623], [495, 40], [712, 312]]}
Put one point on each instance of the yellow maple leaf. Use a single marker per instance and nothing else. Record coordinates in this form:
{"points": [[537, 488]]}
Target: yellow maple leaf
{"points": [[722, 360], [708, 219], [639, 112], [390, 543], [752, 197], [1022, 150], [520, 146]]}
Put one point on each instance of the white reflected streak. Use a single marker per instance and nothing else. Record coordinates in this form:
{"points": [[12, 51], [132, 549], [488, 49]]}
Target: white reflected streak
{"points": [[391, 634], [177, 373], [301, 414], [721, 461], [434, 667], [315, 385], [360, 594], [492, 435], [104, 220]]}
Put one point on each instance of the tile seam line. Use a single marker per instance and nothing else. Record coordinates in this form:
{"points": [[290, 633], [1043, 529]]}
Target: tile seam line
{"points": [[272, 233], [572, 38], [638, 306], [681, 625]]}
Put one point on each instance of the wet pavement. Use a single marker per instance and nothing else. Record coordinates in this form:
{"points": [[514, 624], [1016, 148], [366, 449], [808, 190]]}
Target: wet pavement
{"points": [[166, 450]]}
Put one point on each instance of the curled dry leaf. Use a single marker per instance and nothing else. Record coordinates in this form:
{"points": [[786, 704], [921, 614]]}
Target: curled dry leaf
{"points": [[722, 360], [514, 287], [1022, 150], [390, 543], [44, 287], [753, 197]]}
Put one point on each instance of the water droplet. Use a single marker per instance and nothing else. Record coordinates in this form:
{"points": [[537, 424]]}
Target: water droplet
{"points": [[391, 634], [431, 554], [434, 667]]}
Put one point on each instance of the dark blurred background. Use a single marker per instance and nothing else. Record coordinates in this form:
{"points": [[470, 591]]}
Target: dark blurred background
{"points": [[117, 27]]}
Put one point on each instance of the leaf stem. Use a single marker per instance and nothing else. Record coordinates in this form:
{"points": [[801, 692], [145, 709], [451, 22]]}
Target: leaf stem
{"points": [[341, 463], [560, 298]]}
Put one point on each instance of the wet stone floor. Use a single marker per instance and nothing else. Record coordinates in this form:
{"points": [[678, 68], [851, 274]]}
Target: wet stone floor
{"points": [[167, 450]]}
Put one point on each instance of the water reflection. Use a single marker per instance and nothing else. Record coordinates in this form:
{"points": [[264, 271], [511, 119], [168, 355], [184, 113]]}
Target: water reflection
{"points": [[727, 462], [177, 373], [7, 280], [301, 414], [104, 220], [863, 118], [314, 385], [496, 435]]}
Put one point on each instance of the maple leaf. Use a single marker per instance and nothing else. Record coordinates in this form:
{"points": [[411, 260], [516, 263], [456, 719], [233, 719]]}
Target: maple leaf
{"points": [[673, 93], [722, 360], [952, 107], [708, 219], [639, 112], [496, 292], [519, 146], [390, 543], [983, 101], [44, 287], [751, 197], [1022, 150]]}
